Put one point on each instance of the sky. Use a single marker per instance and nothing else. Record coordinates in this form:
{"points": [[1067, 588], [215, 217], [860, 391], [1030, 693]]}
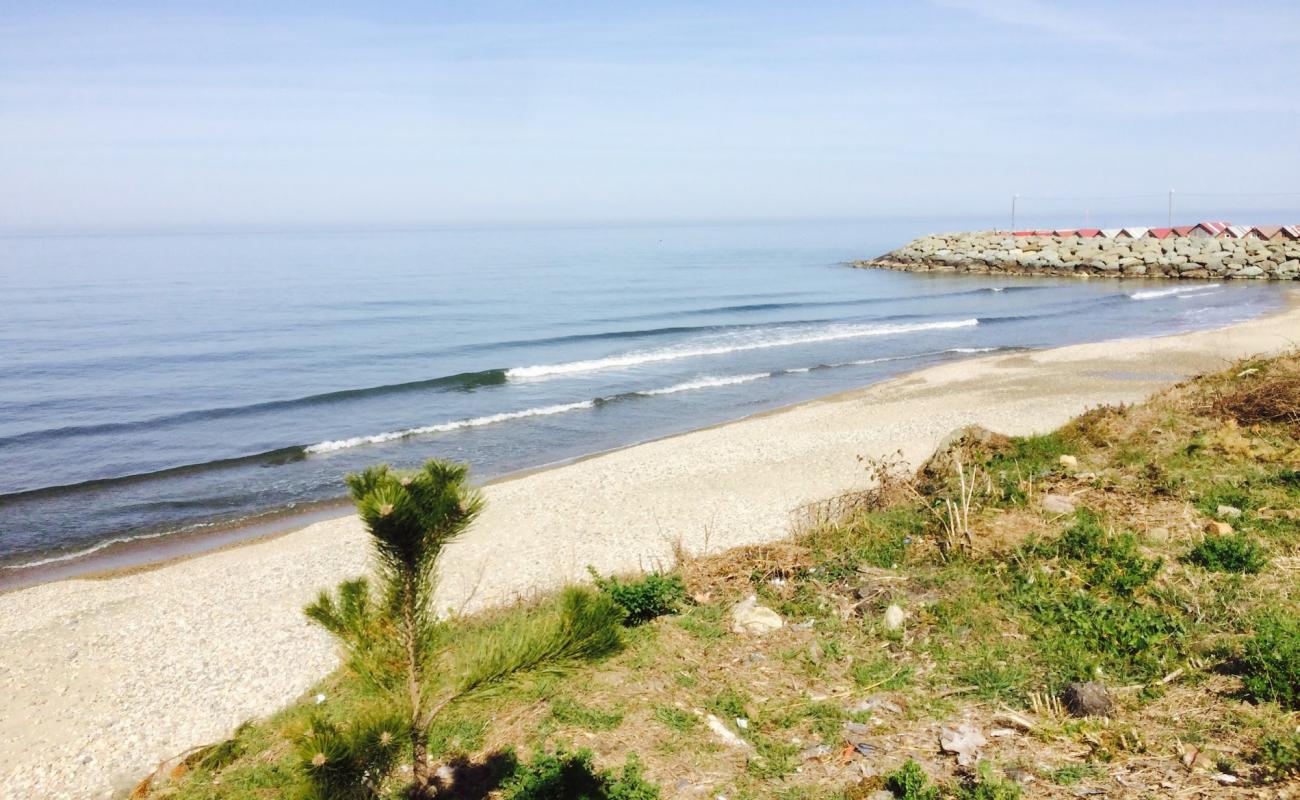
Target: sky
{"points": [[130, 115]]}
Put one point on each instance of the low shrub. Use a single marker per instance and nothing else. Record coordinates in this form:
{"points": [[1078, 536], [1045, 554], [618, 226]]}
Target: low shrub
{"points": [[573, 776], [1270, 662], [1280, 756], [645, 598], [1232, 553], [909, 782]]}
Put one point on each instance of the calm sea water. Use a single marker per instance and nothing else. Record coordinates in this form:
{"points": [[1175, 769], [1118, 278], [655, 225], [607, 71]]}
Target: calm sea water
{"points": [[157, 383]]}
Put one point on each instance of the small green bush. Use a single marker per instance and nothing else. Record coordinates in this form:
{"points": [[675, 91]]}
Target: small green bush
{"points": [[573, 776], [1280, 755], [1232, 553], [1112, 560], [1270, 663], [645, 598], [909, 782]]}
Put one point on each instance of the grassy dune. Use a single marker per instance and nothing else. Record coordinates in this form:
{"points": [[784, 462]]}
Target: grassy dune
{"points": [[1147, 554]]}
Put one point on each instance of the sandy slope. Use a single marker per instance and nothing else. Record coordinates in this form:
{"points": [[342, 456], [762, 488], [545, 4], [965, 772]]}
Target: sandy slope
{"points": [[103, 678]]}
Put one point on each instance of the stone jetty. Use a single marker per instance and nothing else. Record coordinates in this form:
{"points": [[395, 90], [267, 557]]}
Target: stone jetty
{"points": [[1181, 257]]}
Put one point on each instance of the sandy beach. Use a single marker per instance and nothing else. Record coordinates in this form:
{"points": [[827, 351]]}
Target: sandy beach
{"points": [[103, 678]]}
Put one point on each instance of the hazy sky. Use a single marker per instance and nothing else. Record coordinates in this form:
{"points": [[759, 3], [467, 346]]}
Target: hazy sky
{"points": [[168, 114]]}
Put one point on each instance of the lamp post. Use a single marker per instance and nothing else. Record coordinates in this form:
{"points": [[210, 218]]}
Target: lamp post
{"points": [[1171, 208]]}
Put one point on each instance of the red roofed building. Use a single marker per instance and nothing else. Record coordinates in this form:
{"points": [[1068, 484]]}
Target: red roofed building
{"points": [[1183, 230], [1159, 233], [1209, 229], [1088, 233]]}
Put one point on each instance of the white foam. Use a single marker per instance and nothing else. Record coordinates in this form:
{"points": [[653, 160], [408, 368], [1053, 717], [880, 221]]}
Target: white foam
{"points": [[653, 356], [705, 383], [380, 438], [972, 350], [1154, 293]]}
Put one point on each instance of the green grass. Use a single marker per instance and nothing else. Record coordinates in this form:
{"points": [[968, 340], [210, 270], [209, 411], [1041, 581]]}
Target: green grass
{"points": [[883, 674], [676, 719], [1073, 774], [568, 711]]}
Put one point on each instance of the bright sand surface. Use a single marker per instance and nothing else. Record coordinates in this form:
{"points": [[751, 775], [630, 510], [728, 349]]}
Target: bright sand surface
{"points": [[103, 678]]}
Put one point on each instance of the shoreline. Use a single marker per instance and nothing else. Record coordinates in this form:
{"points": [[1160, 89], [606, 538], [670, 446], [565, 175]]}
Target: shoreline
{"points": [[126, 554], [108, 675]]}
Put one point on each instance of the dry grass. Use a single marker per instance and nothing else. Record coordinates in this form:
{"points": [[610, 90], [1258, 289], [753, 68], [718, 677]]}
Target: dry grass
{"points": [[1261, 392]]}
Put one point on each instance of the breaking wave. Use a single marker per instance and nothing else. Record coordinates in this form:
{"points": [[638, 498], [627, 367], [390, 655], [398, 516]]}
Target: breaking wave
{"points": [[1152, 294], [655, 356]]}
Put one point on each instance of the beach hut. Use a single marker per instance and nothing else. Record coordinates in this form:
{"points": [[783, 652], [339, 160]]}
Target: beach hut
{"points": [[1110, 233], [1135, 233], [1267, 231], [1208, 230], [1183, 230], [1239, 232], [1063, 233], [1290, 232], [1159, 233], [1088, 233], [1022, 233]]}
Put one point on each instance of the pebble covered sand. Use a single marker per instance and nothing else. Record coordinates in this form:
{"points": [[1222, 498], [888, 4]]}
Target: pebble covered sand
{"points": [[104, 678]]}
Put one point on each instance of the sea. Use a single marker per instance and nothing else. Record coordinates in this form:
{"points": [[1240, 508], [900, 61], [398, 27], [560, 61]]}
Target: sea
{"points": [[158, 385]]}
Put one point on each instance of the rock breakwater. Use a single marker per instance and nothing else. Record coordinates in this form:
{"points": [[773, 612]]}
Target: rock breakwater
{"points": [[1183, 257]]}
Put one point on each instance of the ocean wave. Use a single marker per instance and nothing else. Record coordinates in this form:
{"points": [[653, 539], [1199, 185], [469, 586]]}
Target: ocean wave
{"points": [[1152, 294], [706, 383], [86, 551], [492, 419], [462, 381], [655, 356]]}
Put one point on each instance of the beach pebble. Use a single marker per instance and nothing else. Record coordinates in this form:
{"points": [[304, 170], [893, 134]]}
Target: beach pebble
{"points": [[749, 617], [1058, 504], [726, 735], [894, 616]]}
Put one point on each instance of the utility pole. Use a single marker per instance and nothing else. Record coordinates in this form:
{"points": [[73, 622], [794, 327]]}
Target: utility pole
{"points": [[1014, 197], [1171, 208]]}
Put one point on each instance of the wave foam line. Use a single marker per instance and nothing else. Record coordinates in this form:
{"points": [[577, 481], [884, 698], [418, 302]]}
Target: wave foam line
{"points": [[1154, 293], [636, 359], [380, 438], [705, 383]]}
